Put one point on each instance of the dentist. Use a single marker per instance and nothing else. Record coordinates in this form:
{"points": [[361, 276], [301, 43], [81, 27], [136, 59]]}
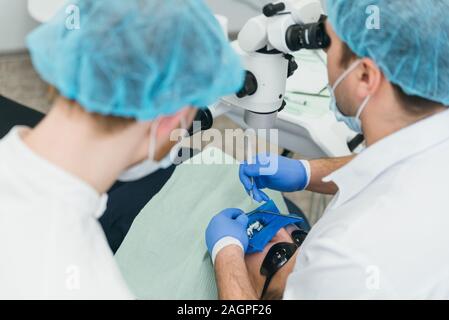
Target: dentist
{"points": [[384, 236]]}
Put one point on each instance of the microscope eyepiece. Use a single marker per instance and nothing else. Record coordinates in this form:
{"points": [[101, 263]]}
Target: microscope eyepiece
{"points": [[311, 36]]}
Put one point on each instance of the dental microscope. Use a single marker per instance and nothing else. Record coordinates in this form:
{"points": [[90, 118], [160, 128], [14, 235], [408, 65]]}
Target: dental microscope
{"points": [[266, 44]]}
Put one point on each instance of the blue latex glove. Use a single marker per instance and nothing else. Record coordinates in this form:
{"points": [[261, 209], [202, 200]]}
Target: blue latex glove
{"points": [[231, 223], [290, 176]]}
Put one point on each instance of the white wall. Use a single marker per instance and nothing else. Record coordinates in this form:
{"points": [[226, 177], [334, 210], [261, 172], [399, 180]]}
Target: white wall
{"points": [[237, 12], [15, 24]]}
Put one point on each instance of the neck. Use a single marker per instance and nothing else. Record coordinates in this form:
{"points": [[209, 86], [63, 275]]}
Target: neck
{"points": [[390, 118], [69, 138]]}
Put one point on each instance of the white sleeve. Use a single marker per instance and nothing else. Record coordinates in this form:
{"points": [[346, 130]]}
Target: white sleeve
{"points": [[326, 270]]}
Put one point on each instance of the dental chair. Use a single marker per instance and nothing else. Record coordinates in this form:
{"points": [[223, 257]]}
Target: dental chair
{"points": [[126, 200], [13, 114]]}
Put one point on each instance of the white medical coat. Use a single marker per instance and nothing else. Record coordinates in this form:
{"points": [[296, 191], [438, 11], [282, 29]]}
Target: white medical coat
{"points": [[51, 243], [386, 233]]}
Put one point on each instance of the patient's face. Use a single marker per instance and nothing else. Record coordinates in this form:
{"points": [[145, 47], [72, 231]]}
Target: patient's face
{"points": [[254, 263]]}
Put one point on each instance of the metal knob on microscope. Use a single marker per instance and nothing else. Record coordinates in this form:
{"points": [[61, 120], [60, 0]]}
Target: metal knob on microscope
{"points": [[250, 86], [273, 9]]}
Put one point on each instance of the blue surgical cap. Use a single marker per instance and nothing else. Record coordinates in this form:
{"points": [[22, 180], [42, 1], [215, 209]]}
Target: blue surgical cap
{"points": [[408, 40], [137, 59]]}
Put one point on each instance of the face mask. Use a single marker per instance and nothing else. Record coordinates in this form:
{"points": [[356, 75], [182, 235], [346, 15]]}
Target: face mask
{"points": [[149, 166], [354, 123], [264, 223]]}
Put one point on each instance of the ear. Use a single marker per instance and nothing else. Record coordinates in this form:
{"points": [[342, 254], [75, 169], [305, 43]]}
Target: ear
{"points": [[370, 78], [170, 123]]}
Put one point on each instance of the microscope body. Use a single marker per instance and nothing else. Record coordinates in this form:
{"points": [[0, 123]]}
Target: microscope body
{"points": [[265, 45], [261, 107]]}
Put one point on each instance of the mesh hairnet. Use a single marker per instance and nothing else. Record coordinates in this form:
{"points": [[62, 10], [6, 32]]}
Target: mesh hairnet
{"points": [[136, 58], [408, 40]]}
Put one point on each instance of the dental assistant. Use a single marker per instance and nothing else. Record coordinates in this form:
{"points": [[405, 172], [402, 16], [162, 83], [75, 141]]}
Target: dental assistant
{"points": [[122, 89], [384, 236]]}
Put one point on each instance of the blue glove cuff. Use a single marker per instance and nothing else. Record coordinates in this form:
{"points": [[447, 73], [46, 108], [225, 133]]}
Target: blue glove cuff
{"points": [[223, 243], [305, 183]]}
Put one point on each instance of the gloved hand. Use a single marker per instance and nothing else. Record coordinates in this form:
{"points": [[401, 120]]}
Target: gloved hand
{"points": [[227, 228], [290, 176]]}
